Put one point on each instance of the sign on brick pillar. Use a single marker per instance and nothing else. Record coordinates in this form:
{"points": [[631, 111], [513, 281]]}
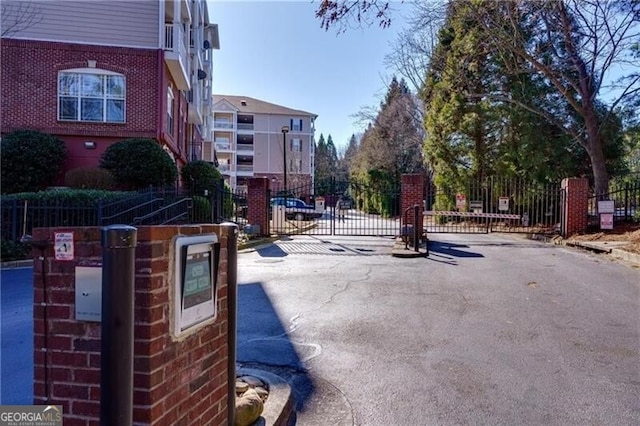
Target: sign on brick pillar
{"points": [[412, 191], [258, 203], [576, 204], [175, 377]]}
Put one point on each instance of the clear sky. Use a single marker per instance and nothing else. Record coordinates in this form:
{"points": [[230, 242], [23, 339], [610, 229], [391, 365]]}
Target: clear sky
{"points": [[277, 52]]}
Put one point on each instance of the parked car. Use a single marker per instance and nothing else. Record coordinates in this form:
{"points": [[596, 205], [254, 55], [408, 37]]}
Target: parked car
{"points": [[295, 208]]}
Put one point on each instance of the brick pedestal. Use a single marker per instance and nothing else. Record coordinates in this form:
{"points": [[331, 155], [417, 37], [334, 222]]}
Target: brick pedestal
{"points": [[576, 203], [258, 199], [413, 194], [177, 381]]}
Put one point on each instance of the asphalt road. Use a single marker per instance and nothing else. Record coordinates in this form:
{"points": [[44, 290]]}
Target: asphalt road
{"points": [[489, 329]]}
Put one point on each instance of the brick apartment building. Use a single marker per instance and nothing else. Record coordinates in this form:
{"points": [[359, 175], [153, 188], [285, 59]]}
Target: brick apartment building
{"points": [[94, 73]]}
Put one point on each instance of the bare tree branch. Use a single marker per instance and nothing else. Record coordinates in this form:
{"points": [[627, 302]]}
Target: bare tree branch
{"points": [[18, 16]]}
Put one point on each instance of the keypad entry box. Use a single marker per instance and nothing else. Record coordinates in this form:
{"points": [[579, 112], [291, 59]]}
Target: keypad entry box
{"points": [[196, 281]]}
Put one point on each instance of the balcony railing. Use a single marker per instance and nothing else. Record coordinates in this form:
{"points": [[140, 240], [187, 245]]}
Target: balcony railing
{"points": [[223, 146], [222, 124], [224, 167], [245, 147], [174, 39], [247, 168], [245, 126]]}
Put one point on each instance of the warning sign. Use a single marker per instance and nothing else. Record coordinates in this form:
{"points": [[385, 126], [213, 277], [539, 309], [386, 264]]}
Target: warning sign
{"points": [[461, 201], [503, 204], [63, 245], [606, 221]]}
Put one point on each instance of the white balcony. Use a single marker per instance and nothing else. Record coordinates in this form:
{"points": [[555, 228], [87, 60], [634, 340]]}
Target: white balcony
{"points": [[245, 148], [245, 126], [223, 146], [224, 167], [176, 55], [244, 169], [222, 124]]}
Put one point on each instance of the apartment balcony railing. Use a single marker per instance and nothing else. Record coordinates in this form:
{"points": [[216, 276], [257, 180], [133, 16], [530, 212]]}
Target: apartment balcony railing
{"points": [[245, 147], [245, 126], [224, 167], [222, 124], [176, 55], [223, 146], [244, 168]]}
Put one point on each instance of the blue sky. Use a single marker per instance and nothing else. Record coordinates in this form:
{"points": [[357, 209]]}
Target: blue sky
{"points": [[277, 52]]}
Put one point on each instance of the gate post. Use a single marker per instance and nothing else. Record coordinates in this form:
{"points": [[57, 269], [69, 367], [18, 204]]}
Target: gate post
{"points": [[412, 194], [576, 205], [258, 204]]}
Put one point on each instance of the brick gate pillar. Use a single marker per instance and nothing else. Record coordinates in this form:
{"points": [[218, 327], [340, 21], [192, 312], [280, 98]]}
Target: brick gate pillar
{"points": [[412, 193], [176, 379], [576, 204], [258, 204]]}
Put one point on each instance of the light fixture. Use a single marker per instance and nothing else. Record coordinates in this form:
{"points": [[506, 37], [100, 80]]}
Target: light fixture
{"points": [[89, 144]]}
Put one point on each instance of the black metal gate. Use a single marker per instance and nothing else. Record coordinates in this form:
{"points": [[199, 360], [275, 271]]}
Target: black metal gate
{"points": [[493, 205], [338, 208]]}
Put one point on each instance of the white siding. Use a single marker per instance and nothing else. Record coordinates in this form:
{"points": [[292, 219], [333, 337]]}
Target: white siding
{"points": [[103, 22]]}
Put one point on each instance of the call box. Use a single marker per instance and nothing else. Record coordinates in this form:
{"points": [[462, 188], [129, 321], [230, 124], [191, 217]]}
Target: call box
{"points": [[196, 280]]}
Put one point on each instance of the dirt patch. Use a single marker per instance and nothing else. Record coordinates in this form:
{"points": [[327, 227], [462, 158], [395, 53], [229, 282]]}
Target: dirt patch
{"points": [[624, 232]]}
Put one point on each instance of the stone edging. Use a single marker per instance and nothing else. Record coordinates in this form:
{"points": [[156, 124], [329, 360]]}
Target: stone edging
{"points": [[279, 408]]}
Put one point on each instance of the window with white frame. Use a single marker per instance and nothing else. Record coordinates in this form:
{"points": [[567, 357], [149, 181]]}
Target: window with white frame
{"points": [[170, 99], [91, 95], [296, 124], [296, 145]]}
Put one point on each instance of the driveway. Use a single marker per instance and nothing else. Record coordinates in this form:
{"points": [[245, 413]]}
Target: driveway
{"points": [[489, 329]]}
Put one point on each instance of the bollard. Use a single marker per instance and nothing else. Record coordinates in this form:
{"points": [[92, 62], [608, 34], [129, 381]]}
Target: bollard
{"points": [[416, 230], [232, 322], [116, 360]]}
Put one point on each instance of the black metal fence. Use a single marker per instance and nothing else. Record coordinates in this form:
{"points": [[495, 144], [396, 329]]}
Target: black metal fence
{"points": [[625, 193], [151, 206], [494, 204]]}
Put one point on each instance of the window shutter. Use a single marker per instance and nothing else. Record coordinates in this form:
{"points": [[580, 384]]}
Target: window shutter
{"points": [[291, 124]]}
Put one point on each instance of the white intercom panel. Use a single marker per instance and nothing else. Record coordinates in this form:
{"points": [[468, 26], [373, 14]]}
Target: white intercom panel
{"points": [[196, 280]]}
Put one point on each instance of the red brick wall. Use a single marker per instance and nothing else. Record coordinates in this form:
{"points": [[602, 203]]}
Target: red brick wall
{"points": [[258, 202], [28, 89], [413, 194], [576, 205], [176, 382], [30, 86]]}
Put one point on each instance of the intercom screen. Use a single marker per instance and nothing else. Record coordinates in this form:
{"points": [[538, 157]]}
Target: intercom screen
{"points": [[197, 279]]}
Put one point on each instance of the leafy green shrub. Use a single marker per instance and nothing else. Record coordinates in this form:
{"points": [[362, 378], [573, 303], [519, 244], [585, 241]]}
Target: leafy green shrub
{"points": [[199, 176], [89, 178], [13, 250], [72, 197], [201, 211], [30, 160], [138, 163]]}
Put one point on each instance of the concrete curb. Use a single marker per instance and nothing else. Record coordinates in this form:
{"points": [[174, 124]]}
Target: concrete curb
{"points": [[27, 263], [279, 408], [607, 247], [399, 250]]}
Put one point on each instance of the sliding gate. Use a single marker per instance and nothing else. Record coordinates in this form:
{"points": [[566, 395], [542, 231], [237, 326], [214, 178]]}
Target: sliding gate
{"points": [[494, 205], [368, 209]]}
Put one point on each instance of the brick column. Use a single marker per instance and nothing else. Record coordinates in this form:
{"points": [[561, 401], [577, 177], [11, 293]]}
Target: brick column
{"points": [[576, 203], [177, 380], [258, 201], [412, 191]]}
